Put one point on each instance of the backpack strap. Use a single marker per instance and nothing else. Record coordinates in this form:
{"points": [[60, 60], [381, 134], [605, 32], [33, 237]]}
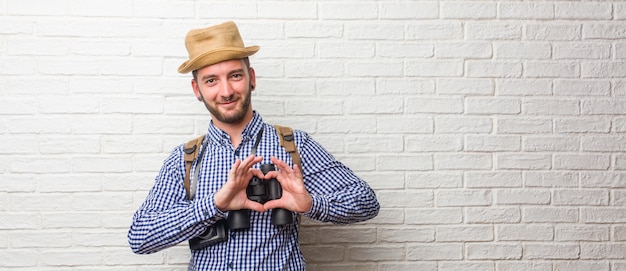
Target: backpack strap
{"points": [[285, 134], [191, 151]]}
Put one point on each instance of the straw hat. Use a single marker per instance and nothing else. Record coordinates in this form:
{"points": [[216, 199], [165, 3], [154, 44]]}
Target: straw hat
{"points": [[214, 44]]}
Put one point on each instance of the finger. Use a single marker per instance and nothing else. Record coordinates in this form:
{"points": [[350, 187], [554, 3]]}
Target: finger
{"points": [[251, 161], [255, 172], [243, 168], [281, 164], [235, 165], [272, 204], [253, 205], [278, 162], [298, 171], [273, 175], [235, 171], [288, 171]]}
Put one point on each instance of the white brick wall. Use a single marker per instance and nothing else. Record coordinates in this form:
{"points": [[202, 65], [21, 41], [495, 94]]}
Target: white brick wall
{"points": [[492, 131]]}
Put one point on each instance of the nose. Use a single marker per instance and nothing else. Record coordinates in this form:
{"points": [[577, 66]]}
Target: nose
{"points": [[226, 90]]}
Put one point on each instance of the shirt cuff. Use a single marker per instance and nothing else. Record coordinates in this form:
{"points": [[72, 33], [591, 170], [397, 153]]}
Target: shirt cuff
{"points": [[206, 211], [319, 208]]}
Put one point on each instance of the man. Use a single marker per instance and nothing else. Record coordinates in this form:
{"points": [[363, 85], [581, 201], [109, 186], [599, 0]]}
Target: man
{"points": [[237, 143]]}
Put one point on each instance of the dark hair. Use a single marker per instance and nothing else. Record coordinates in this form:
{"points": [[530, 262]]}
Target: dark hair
{"points": [[246, 61]]}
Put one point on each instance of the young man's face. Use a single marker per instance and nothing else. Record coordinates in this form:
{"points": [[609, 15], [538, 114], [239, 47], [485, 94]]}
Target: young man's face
{"points": [[225, 89]]}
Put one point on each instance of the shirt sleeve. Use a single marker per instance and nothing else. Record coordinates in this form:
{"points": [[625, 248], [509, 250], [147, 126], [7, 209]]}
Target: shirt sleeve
{"points": [[339, 196], [167, 217]]}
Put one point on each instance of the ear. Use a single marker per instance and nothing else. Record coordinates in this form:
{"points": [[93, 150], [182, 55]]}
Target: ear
{"points": [[195, 88], [252, 79]]}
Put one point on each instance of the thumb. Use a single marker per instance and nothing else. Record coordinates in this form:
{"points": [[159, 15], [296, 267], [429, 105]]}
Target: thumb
{"points": [[253, 205], [272, 204]]}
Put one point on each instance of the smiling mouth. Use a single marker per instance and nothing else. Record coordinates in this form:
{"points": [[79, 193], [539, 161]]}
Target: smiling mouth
{"points": [[228, 102]]}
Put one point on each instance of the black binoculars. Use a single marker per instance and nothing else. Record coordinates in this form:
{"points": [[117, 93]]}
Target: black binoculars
{"points": [[261, 191], [258, 190]]}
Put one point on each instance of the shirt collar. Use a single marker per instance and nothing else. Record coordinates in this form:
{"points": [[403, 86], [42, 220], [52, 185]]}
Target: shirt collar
{"points": [[249, 132]]}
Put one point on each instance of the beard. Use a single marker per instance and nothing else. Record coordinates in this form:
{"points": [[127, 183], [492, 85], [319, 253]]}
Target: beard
{"points": [[231, 117]]}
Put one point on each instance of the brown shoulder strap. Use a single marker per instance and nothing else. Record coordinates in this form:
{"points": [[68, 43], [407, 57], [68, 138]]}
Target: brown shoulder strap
{"points": [[191, 151], [287, 141]]}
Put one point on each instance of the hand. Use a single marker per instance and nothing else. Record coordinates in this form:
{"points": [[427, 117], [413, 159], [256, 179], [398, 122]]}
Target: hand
{"points": [[232, 195], [295, 198]]}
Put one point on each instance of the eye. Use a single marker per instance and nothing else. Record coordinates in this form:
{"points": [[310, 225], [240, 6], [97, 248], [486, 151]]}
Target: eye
{"points": [[237, 76], [209, 81]]}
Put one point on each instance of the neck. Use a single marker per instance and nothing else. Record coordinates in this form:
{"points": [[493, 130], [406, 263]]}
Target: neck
{"points": [[234, 130]]}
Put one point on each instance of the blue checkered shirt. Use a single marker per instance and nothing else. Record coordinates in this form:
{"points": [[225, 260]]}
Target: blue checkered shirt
{"points": [[167, 217]]}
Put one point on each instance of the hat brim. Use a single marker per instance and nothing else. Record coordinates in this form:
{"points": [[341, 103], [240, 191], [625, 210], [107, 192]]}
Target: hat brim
{"points": [[216, 56]]}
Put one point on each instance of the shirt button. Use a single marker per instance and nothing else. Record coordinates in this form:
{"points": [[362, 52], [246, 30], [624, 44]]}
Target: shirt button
{"points": [[231, 265]]}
